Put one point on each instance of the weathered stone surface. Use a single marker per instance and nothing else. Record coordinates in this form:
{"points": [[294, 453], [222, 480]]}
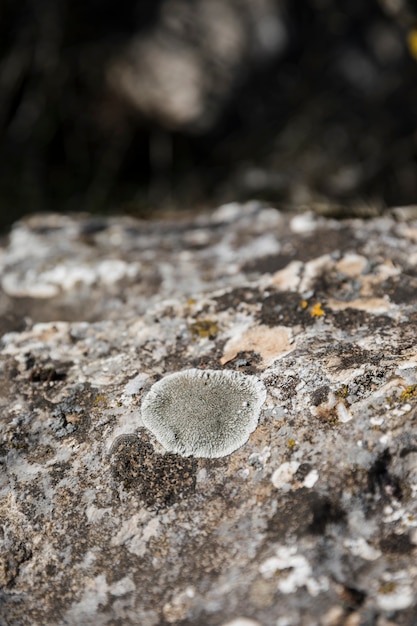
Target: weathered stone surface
{"points": [[312, 521]]}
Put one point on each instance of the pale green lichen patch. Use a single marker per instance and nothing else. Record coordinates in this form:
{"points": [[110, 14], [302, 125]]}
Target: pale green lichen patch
{"points": [[203, 413]]}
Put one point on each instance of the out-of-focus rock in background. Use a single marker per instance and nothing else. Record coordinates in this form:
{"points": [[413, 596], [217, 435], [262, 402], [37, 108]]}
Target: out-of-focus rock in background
{"points": [[143, 106], [184, 69]]}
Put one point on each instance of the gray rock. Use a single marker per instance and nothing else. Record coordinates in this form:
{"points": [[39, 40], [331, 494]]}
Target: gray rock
{"points": [[312, 521]]}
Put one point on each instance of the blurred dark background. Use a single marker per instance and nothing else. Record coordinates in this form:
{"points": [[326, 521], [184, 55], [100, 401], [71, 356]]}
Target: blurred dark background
{"points": [[153, 106]]}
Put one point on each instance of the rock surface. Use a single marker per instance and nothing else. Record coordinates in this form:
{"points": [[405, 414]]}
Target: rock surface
{"points": [[312, 522]]}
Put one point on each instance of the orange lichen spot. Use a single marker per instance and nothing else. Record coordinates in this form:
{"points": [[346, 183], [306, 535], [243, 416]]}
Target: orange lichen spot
{"points": [[317, 310], [304, 304], [412, 43], [204, 329], [409, 393], [291, 443]]}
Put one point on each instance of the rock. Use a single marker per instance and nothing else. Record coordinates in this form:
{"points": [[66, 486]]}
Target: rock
{"points": [[186, 67], [312, 521]]}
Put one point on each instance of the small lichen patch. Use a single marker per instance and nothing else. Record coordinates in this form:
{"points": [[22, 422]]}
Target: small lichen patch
{"points": [[342, 392], [408, 393], [206, 329], [203, 413], [317, 310], [158, 480], [100, 400]]}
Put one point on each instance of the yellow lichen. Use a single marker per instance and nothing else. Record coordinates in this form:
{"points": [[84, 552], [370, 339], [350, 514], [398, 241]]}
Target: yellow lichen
{"points": [[102, 400], [304, 304], [409, 393], [204, 329], [317, 310], [387, 588], [342, 392], [291, 443]]}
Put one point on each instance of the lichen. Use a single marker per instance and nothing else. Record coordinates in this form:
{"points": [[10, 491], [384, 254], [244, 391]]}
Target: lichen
{"points": [[409, 393], [342, 392], [317, 310], [204, 328], [158, 480], [203, 413]]}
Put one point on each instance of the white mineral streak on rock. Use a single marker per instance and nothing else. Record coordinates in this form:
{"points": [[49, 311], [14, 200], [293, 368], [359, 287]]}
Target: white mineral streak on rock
{"points": [[360, 547], [343, 413], [311, 479], [295, 572], [283, 475]]}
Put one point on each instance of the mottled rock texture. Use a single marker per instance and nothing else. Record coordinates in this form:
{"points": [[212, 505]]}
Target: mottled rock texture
{"points": [[312, 522]]}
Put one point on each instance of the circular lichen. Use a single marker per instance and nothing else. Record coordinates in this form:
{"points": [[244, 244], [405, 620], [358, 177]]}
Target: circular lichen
{"points": [[203, 413]]}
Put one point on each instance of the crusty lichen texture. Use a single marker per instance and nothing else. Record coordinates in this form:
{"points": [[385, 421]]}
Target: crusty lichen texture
{"points": [[203, 413]]}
